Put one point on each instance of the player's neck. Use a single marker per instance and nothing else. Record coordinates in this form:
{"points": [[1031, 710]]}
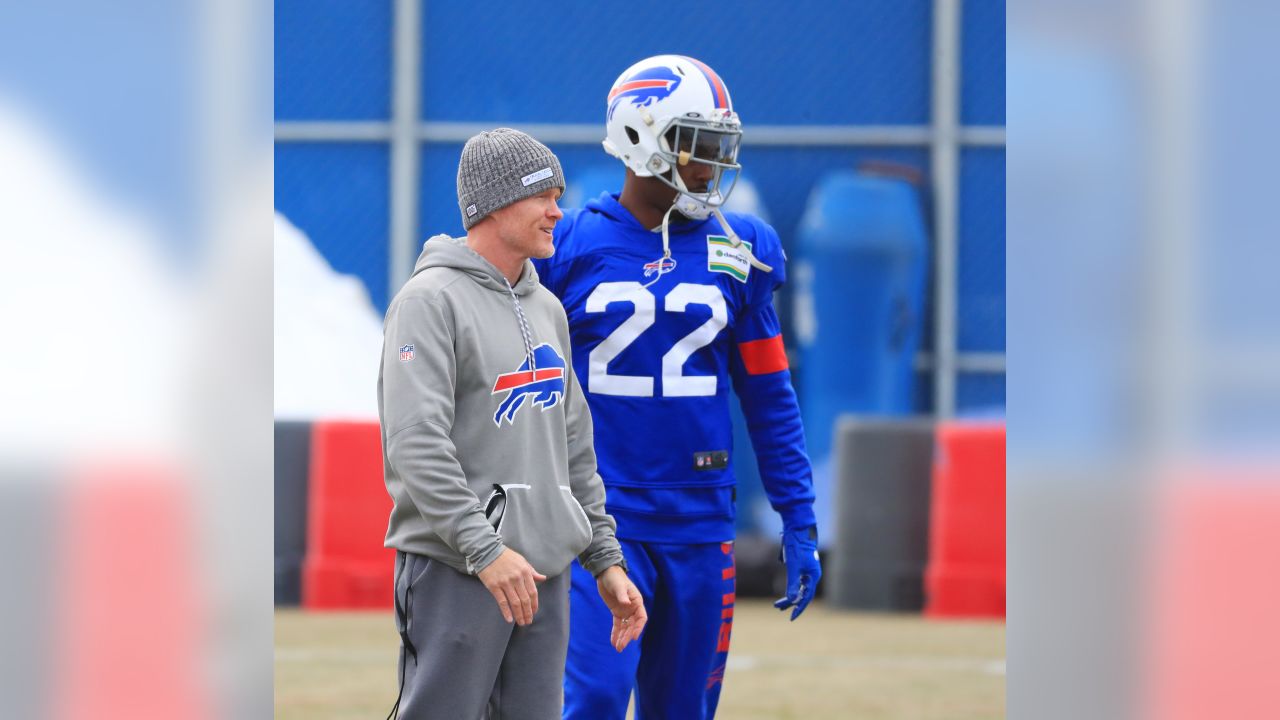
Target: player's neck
{"points": [[646, 205]]}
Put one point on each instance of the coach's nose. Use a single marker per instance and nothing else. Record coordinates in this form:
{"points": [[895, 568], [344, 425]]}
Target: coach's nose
{"points": [[554, 212]]}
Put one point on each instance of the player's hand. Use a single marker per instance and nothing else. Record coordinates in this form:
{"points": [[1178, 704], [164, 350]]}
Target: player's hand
{"points": [[626, 605], [800, 554], [512, 580]]}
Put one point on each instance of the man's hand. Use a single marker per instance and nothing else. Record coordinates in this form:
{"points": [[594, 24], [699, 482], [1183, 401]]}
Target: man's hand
{"points": [[624, 601], [511, 580], [800, 554]]}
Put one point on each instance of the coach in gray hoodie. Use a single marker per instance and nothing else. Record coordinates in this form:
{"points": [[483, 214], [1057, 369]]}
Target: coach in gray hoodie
{"points": [[487, 452]]}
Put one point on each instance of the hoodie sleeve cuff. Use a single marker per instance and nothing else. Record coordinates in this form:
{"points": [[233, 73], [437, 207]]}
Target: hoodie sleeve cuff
{"points": [[603, 559], [477, 542]]}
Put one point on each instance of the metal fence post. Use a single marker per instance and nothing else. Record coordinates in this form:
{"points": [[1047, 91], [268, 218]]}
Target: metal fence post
{"points": [[405, 150], [944, 156]]}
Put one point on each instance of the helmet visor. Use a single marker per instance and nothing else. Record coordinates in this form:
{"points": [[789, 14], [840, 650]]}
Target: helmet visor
{"points": [[698, 143]]}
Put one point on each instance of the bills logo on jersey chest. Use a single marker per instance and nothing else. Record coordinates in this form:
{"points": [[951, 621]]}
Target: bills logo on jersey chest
{"points": [[661, 265]]}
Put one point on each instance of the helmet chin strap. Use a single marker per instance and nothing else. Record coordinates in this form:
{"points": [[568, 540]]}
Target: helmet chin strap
{"points": [[737, 243], [666, 248], [734, 240]]}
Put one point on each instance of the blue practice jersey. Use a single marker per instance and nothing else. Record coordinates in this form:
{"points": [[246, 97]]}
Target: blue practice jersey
{"points": [[657, 346]]}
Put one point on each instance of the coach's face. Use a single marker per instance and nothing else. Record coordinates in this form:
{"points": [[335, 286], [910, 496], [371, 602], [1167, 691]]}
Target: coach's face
{"points": [[525, 226]]}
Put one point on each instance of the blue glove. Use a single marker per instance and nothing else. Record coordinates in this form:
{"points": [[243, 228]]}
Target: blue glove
{"points": [[800, 555]]}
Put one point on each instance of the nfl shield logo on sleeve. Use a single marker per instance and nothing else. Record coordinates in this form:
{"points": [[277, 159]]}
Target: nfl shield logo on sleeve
{"points": [[406, 353]]}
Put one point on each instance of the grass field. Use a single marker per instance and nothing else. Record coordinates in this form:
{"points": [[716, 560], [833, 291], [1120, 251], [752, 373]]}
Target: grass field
{"points": [[828, 664]]}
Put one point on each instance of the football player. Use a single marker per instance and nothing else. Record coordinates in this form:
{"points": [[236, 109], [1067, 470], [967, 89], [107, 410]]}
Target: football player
{"points": [[669, 302]]}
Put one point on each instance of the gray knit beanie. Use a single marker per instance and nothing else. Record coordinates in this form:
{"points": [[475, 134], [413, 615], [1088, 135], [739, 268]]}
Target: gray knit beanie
{"points": [[499, 167]]}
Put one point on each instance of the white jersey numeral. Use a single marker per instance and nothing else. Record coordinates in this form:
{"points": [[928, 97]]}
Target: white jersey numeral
{"points": [[674, 382], [598, 378]]}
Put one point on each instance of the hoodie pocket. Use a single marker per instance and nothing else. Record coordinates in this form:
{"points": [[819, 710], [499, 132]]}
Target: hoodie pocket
{"points": [[584, 524], [544, 525], [495, 506]]}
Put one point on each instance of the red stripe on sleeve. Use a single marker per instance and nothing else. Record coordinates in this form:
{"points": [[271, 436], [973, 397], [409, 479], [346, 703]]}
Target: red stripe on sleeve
{"points": [[762, 357]]}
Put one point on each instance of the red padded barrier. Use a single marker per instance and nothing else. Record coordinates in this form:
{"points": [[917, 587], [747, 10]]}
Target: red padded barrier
{"points": [[347, 567], [965, 574]]}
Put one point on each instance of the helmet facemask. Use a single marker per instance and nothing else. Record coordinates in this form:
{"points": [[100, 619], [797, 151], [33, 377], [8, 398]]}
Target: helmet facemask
{"points": [[712, 143]]}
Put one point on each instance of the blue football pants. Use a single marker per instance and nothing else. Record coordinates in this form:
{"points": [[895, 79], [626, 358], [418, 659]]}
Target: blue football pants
{"points": [[677, 667]]}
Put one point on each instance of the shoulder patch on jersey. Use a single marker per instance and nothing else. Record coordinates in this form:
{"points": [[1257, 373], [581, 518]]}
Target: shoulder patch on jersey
{"points": [[723, 257]]}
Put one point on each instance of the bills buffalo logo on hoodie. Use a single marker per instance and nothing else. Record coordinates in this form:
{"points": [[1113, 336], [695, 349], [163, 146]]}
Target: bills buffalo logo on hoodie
{"points": [[644, 88], [543, 387]]}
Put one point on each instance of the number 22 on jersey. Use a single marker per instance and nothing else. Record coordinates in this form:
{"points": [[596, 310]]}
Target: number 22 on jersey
{"points": [[674, 382]]}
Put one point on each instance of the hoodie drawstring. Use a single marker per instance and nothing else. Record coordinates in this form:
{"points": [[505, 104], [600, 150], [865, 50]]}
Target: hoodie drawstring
{"points": [[524, 326], [666, 249]]}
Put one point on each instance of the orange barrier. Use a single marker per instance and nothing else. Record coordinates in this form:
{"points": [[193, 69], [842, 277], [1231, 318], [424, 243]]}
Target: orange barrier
{"points": [[346, 566], [965, 574]]}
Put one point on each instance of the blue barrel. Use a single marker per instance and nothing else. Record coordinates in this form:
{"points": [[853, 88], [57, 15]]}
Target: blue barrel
{"points": [[858, 313]]}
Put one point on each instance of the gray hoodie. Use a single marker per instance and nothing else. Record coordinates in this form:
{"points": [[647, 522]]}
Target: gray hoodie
{"points": [[486, 436]]}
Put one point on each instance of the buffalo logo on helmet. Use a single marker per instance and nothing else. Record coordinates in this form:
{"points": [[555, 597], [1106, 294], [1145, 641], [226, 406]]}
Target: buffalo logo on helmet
{"points": [[541, 383], [644, 88]]}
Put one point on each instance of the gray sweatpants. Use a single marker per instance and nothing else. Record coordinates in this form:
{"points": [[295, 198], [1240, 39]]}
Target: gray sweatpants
{"points": [[461, 661]]}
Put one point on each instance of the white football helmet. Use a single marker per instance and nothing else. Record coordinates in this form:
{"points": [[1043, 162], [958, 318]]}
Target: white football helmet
{"points": [[671, 110]]}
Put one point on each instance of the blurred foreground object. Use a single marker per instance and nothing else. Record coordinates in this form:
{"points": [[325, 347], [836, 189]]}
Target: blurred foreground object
{"points": [[1212, 635], [129, 608], [134, 380], [1143, 347]]}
